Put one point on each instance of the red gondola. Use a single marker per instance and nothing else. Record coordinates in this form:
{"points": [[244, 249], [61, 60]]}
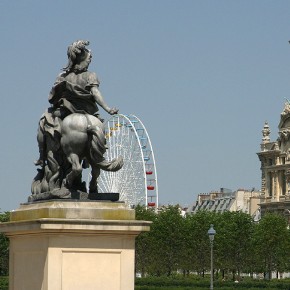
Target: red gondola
{"points": [[150, 187], [149, 172], [151, 203]]}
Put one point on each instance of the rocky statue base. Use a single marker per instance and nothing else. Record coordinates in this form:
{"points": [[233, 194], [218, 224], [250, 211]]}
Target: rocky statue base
{"points": [[71, 245]]}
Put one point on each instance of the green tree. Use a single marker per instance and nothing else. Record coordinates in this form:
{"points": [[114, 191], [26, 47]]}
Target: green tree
{"points": [[272, 244], [144, 242], [167, 234], [253, 259], [4, 247], [196, 247], [233, 241]]}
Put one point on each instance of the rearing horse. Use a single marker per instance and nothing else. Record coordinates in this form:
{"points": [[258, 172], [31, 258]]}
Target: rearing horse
{"points": [[82, 137]]}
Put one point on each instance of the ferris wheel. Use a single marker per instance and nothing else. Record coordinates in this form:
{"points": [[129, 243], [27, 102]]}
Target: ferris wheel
{"points": [[136, 182]]}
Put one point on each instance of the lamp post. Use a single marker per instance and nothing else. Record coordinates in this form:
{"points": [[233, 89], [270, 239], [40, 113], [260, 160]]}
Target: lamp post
{"points": [[211, 232]]}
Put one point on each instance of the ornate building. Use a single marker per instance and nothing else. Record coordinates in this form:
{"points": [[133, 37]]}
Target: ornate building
{"points": [[275, 167]]}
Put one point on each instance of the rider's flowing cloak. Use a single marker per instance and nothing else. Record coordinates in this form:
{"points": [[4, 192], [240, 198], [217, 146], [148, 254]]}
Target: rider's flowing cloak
{"points": [[71, 92]]}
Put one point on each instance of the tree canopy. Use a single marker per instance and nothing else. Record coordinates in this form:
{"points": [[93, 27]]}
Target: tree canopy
{"points": [[4, 247], [177, 243]]}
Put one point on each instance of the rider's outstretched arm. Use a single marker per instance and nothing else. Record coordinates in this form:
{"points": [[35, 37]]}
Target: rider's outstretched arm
{"points": [[101, 102]]}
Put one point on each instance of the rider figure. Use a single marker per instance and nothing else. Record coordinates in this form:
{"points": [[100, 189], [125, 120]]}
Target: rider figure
{"points": [[76, 90]]}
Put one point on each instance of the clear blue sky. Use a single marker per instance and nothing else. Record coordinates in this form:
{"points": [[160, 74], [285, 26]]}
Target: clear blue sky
{"points": [[203, 76]]}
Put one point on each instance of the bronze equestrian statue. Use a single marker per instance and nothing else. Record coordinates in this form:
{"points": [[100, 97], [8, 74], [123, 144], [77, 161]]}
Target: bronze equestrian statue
{"points": [[71, 134]]}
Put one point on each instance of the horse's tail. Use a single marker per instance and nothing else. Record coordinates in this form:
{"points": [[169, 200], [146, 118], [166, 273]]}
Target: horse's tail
{"points": [[114, 165], [97, 147]]}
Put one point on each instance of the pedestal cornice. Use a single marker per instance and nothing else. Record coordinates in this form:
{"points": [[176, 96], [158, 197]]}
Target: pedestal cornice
{"points": [[73, 217]]}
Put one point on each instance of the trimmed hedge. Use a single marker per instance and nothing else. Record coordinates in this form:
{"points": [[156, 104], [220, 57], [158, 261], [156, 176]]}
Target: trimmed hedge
{"points": [[195, 288], [4, 283], [182, 283]]}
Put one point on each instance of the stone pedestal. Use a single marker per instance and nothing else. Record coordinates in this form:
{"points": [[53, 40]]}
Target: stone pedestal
{"points": [[72, 246]]}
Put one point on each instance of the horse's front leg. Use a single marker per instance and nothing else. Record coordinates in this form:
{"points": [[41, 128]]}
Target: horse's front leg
{"points": [[93, 188], [76, 170]]}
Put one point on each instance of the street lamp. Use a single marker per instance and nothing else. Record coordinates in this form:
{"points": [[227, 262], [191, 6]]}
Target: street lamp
{"points": [[211, 232]]}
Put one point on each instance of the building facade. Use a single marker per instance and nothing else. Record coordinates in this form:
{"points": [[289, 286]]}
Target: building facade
{"points": [[275, 167], [226, 200]]}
